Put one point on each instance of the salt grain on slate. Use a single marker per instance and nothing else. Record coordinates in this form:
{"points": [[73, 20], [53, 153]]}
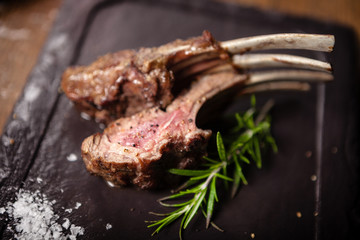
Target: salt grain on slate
{"points": [[33, 218], [85, 116], [77, 205], [76, 230], [71, 157], [110, 184], [108, 226], [66, 224], [69, 210]]}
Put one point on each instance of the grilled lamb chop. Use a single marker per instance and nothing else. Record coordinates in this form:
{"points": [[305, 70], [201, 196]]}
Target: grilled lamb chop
{"points": [[139, 149], [126, 82]]}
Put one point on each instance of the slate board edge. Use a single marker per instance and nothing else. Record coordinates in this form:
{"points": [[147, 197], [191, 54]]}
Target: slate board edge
{"points": [[61, 61], [29, 119]]}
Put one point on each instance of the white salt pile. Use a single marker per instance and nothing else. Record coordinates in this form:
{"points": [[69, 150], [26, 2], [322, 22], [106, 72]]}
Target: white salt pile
{"points": [[33, 217]]}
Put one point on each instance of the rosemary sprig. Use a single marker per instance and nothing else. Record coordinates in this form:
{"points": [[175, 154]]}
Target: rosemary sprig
{"points": [[200, 191]]}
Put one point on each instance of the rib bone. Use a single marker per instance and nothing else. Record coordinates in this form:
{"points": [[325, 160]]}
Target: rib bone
{"points": [[314, 42], [286, 75], [278, 60], [271, 86]]}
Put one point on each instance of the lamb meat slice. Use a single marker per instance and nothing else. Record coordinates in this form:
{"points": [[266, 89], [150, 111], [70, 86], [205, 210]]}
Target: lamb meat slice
{"points": [[140, 149], [126, 82]]}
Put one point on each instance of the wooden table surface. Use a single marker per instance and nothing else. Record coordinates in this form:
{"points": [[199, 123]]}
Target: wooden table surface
{"points": [[24, 25]]}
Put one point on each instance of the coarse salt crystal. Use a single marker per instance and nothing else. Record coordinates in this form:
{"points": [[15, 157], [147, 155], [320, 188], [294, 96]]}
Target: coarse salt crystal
{"points": [[71, 157], [75, 230], [77, 205], [110, 184], [66, 224], [108, 226], [85, 116], [69, 210]]}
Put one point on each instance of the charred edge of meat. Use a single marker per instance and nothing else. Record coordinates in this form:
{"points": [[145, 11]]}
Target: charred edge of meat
{"points": [[148, 175]]}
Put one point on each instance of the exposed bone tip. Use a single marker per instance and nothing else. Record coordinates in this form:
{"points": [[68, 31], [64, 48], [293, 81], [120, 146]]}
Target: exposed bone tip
{"points": [[330, 69], [332, 43], [316, 42]]}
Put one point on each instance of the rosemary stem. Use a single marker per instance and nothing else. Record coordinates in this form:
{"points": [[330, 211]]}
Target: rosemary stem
{"points": [[213, 173], [264, 111], [253, 129]]}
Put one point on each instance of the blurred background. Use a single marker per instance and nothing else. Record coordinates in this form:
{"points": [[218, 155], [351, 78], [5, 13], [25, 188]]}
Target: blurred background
{"points": [[25, 24]]}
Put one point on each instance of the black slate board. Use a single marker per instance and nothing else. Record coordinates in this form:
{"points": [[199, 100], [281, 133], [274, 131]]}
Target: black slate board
{"points": [[46, 129]]}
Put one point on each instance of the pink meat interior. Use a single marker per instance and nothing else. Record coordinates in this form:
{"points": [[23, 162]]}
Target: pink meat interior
{"points": [[148, 133]]}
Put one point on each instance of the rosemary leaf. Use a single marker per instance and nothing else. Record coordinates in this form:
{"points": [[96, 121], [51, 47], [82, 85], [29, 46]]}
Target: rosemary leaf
{"points": [[244, 159], [211, 200], [210, 160], [257, 152], [185, 185], [220, 147], [236, 177], [188, 172], [271, 141], [175, 204], [198, 200], [253, 101], [239, 121], [200, 177], [223, 177]]}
